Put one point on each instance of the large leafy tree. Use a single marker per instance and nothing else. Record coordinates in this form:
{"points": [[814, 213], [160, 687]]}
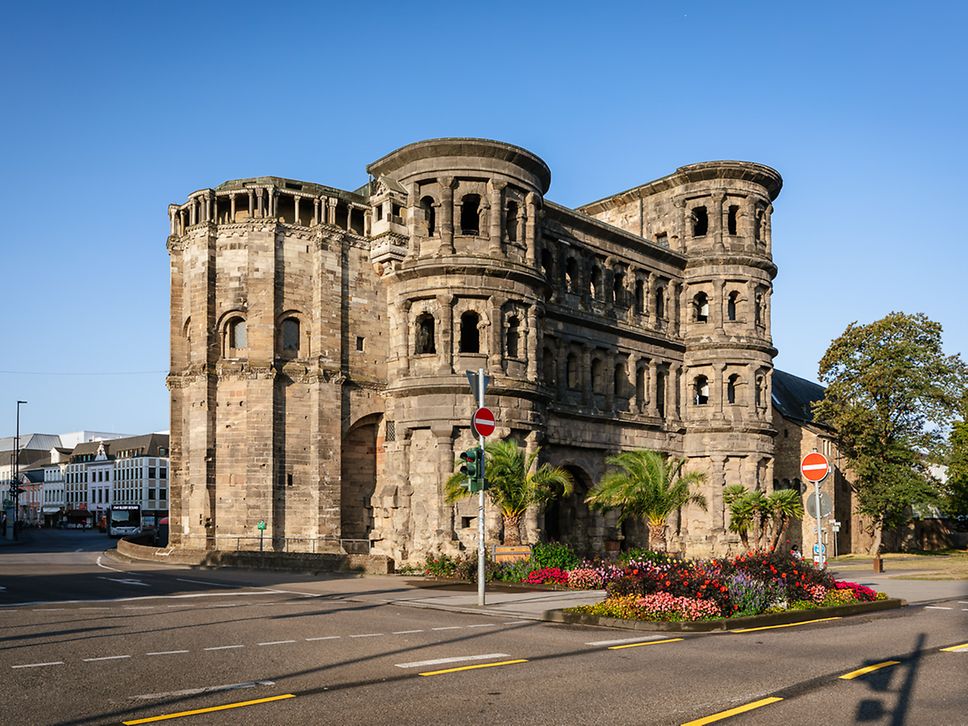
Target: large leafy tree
{"points": [[514, 484], [763, 517], [891, 391], [956, 488], [649, 486]]}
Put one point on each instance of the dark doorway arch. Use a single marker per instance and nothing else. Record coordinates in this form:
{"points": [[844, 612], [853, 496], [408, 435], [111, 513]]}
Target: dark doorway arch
{"points": [[568, 519], [358, 469]]}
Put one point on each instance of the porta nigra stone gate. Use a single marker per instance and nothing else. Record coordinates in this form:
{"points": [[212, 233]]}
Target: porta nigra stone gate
{"points": [[320, 338]]}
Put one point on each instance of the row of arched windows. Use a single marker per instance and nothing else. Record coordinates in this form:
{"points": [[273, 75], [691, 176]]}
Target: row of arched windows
{"points": [[235, 337], [468, 334], [700, 390], [471, 217]]}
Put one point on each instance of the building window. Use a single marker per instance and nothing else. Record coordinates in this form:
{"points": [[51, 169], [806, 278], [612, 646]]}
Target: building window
{"points": [[595, 283], [360, 343], [236, 335], [731, 384], [289, 337], [511, 221], [550, 368], [660, 392], [757, 309], [572, 375], [660, 303], [731, 302], [700, 387], [470, 336], [700, 221], [424, 340], [759, 391], [151, 472], [430, 215], [598, 380], [470, 215], [546, 264], [618, 288], [732, 216], [619, 380], [639, 297], [513, 336], [700, 307], [571, 274]]}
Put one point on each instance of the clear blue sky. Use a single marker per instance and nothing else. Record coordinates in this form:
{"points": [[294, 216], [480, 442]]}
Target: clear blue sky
{"points": [[114, 109]]}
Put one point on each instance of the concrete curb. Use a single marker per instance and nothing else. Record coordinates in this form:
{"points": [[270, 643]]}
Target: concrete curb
{"points": [[724, 624]]}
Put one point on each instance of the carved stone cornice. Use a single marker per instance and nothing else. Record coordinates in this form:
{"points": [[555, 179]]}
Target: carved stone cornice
{"points": [[174, 244]]}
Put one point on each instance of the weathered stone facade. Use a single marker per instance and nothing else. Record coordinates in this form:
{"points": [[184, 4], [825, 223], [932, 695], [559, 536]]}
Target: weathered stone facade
{"points": [[319, 340]]}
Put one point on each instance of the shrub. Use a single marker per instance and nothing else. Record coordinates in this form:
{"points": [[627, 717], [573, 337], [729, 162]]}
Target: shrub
{"points": [[553, 554], [513, 571], [442, 566], [625, 607], [664, 606], [795, 575], [643, 554], [584, 578], [750, 596], [624, 586], [861, 592], [839, 597], [546, 576]]}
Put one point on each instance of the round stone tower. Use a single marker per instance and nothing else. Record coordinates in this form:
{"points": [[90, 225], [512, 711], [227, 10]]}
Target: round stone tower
{"points": [[724, 210], [463, 293]]}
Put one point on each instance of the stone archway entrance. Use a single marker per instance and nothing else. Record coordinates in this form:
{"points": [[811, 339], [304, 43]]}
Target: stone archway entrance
{"points": [[358, 479], [570, 521]]}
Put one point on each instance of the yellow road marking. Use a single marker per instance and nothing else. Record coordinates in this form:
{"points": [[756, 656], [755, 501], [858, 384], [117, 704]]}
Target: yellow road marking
{"points": [[210, 709], [733, 711], [472, 667], [955, 648], [785, 625], [647, 642], [868, 669]]}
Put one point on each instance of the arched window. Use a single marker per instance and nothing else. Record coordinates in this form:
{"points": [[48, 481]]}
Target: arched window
{"points": [[700, 307], [620, 379], [513, 336], [639, 297], [757, 309], [549, 363], [731, 384], [660, 391], [235, 330], [660, 303], [700, 389], [572, 371], [618, 288], [470, 214], [470, 336], [289, 337], [595, 282], [598, 380], [546, 264], [430, 215], [731, 302], [511, 221], [731, 219], [571, 274], [424, 340], [640, 392], [759, 391], [700, 221]]}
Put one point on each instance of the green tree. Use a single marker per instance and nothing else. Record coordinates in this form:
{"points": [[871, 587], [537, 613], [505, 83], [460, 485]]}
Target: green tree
{"points": [[514, 484], [646, 485], [956, 488], [765, 517], [891, 391]]}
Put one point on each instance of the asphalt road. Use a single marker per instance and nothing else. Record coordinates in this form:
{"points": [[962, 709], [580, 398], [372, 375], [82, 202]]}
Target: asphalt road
{"points": [[86, 639]]}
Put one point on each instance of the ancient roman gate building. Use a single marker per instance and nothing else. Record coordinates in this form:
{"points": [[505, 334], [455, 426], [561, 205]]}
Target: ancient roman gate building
{"points": [[319, 340]]}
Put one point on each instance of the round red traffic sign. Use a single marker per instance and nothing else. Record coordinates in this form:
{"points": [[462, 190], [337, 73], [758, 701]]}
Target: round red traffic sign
{"points": [[483, 422], [814, 467]]}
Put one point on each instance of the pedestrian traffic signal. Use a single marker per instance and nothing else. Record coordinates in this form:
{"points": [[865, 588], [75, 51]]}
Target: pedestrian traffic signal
{"points": [[473, 468]]}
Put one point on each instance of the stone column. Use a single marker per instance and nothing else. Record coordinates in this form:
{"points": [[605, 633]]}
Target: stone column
{"points": [[531, 205], [533, 346], [172, 212], [192, 212], [272, 197], [674, 383], [413, 205], [403, 346], [716, 219], [719, 307], [768, 229], [446, 215], [443, 516], [495, 353], [261, 208], [445, 355], [562, 373], [295, 209], [316, 206], [721, 391], [610, 392], [232, 208], [331, 210], [495, 193], [652, 386], [632, 371], [587, 394]]}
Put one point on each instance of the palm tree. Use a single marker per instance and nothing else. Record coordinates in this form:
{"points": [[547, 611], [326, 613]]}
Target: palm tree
{"points": [[766, 517], [514, 484], [648, 485]]}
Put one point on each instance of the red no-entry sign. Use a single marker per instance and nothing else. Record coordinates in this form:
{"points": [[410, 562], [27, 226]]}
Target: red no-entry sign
{"points": [[814, 467], [483, 422]]}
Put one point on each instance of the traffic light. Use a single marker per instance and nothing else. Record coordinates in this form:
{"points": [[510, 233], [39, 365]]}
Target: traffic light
{"points": [[473, 468]]}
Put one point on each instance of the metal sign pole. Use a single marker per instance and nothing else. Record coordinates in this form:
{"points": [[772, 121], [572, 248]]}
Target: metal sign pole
{"points": [[820, 552], [480, 501]]}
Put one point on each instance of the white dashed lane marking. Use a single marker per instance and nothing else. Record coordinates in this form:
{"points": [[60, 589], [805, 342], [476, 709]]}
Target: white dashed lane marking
{"points": [[326, 637], [405, 632], [367, 635], [936, 607], [277, 642], [106, 657], [224, 647], [640, 639], [454, 659], [167, 652], [39, 665]]}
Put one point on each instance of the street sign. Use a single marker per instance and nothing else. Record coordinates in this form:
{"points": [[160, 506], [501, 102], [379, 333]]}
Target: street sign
{"points": [[818, 560], [483, 422], [820, 549], [473, 378], [814, 467], [261, 525], [825, 507], [835, 526]]}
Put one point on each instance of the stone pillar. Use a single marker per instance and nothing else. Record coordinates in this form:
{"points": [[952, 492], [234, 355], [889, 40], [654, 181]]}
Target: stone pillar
{"points": [[232, 208], [261, 208], [316, 206], [444, 524], [403, 346], [413, 205], [562, 372], [533, 347], [675, 383], [295, 209], [716, 219], [714, 496], [587, 394], [495, 194], [610, 392], [446, 184], [768, 229], [446, 353], [721, 391], [652, 385], [192, 212], [719, 306], [172, 226], [495, 353], [331, 210], [531, 206], [632, 371], [251, 203]]}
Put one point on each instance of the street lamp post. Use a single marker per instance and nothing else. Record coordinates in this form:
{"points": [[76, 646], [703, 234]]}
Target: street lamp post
{"points": [[16, 473]]}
